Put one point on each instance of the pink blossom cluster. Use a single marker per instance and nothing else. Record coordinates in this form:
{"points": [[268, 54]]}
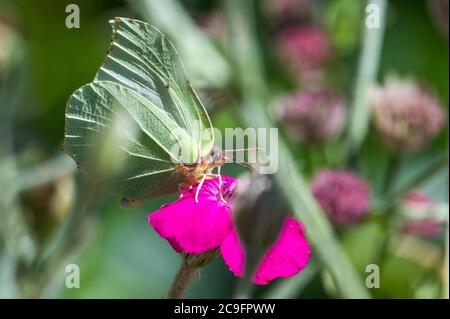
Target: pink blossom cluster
{"points": [[406, 115], [343, 196], [314, 115], [303, 48]]}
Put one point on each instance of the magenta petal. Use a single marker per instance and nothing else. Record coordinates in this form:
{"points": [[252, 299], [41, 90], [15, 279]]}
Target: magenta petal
{"points": [[287, 256], [195, 227], [233, 254], [173, 242]]}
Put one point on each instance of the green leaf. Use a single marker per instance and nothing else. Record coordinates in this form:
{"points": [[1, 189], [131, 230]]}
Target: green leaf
{"points": [[366, 77], [207, 66]]}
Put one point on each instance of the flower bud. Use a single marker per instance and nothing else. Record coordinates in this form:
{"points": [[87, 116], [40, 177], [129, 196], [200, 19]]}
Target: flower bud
{"points": [[405, 115], [343, 196], [258, 214], [48, 205], [313, 115], [417, 209], [285, 11], [303, 48]]}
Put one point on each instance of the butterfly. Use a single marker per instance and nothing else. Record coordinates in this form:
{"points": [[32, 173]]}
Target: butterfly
{"points": [[162, 134]]}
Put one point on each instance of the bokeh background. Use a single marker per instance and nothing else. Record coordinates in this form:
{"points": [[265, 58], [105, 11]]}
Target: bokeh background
{"points": [[307, 49]]}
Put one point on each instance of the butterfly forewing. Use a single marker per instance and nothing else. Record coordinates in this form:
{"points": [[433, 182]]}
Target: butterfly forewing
{"points": [[141, 58]]}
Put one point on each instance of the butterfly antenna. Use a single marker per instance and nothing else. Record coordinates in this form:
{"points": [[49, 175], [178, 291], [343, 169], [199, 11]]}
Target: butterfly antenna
{"points": [[242, 163], [244, 149]]}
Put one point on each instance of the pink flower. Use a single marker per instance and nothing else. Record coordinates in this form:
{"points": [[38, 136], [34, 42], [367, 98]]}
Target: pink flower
{"points": [[417, 207], [313, 115], [343, 196], [418, 199], [287, 10], [426, 228], [406, 115], [196, 228], [304, 48]]}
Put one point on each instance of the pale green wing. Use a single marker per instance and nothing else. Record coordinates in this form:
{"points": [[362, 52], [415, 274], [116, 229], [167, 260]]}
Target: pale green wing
{"points": [[141, 140], [141, 58], [140, 111]]}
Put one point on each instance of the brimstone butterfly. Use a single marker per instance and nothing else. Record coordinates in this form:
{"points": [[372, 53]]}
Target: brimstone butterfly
{"points": [[164, 136]]}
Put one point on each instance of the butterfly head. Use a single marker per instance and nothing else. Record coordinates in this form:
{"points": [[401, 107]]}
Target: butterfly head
{"points": [[214, 158]]}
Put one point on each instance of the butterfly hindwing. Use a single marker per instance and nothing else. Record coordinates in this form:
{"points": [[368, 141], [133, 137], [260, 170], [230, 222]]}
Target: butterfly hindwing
{"points": [[141, 145]]}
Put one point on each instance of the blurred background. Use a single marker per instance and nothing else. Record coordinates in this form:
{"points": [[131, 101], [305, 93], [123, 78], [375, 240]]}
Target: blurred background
{"points": [[362, 114]]}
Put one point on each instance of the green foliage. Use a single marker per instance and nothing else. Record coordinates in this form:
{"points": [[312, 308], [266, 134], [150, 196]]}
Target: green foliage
{"points": [[127, 259]]}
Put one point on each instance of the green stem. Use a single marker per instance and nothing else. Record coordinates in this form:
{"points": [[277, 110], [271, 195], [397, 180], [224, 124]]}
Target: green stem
{"points": [[315, 159], [389, 216], [171, 18], [68, 242], [389, 226], [393, 196], [182, 280], [245, 287], [366, 77], [391, 173]]}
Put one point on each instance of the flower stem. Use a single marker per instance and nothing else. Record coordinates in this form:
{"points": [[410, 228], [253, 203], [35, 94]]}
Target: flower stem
{"points": [[366, 77], [244, 289], [438, 166], [182, 280], [391, 173]]}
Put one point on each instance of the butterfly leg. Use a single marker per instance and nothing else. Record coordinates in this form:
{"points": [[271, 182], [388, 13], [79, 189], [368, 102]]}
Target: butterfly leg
{"points": [[219, 176], [199, 187], [220, 185]]}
